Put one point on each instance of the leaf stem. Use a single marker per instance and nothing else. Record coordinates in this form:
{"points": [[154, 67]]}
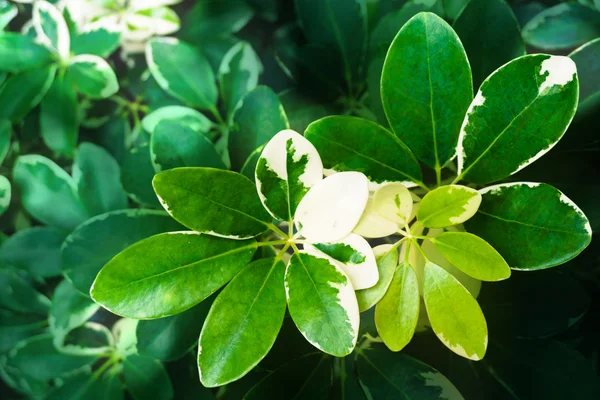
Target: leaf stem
{"points": [[420, 250], [438, 175], [278, 231], [109, 363], [213, 110]]}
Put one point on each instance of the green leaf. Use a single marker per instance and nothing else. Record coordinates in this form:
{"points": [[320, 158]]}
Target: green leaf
{"points": [[70, 309], [532, 225], [562, 26], [91, 338], [472, 255], [41, 182], [587, 59], [332, 208], [5, 136], [97, 39], [51, 28], [454, 314], [97, 176], [243, 323], [83, 258], [386, 264], [21, 92], [124, 332], [36, 250], [59, 117], [355, 144], [491, 35], [238, 74], [21, 53], [322, 304], [146, 378], [288, 166], [397, 313], [34, 362], [208, 17], [339, 27], [19, 296], [386, 375], [175, 145], [170, 338], [257, 119], [182, 71], [136, 176], [15, 327], [182, 115], [93, 76], [5, 194], [448, 205], [168, 273], [301, 110], [86, 386], [218, 202], [529, 101], [426, 88], [8, 12], [353, 255]]}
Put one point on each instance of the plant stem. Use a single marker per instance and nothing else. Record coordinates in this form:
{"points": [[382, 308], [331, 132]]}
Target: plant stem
{"points": [[438, 175], [278, 231]]}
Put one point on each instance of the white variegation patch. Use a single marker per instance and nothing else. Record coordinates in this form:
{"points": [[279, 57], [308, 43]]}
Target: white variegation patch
{"points": [[373, 225], [496, 189], [63, 45], [152, 66], [394, 202], [565, 200], [332, 208], [373, 186], [363, 275], [249, 59], [5, 199], [560, 69], [478, 101]]}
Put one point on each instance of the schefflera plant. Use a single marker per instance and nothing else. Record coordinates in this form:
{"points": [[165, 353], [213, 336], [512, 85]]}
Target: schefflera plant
{"points": [[244, 233], [461, 234]]}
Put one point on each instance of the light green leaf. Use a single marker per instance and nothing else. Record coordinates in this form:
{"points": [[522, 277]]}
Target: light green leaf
{"points": [[397, 313], [472, 255], [19, 296], [373, 225], [5, 194], [257, 119], [238, 74], [97, 39], [36, 250], [69, 309], [21, 53], [136, 176], [454, 314], [387, 375], [386, 264], [5, 136], [213, 201], [51, 28], [322, 304], [355, 144], [394, 202], [448, 205], [426, 88], [541, 93], [146, 378], [41, 182], [174, 145], [587, 59], [353, 255], [532, 225], [170, 338], [59, 117], [21, 92], [182, 115], [93, 76], [562, 26], [287, 168], [82, 258], [491, 35], [97, 176], [124, 332], [168, 273], [182, 71], [243, 323]]}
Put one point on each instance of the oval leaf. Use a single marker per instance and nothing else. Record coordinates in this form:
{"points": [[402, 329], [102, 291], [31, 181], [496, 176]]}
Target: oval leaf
{"points": [[394, 202], [168, 273], [51, 28], [373, 225], [22, 92], [322, 304], [448, 205], [386, 265], [213, 201], [541, 93], [243, 323], [288, 166], [20, 53], [93, 76], [454, 314], [182, 115], [426, 87], [533, 226]]}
